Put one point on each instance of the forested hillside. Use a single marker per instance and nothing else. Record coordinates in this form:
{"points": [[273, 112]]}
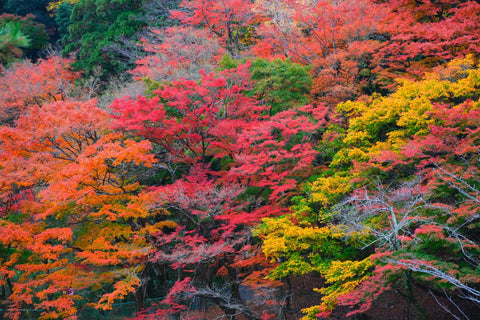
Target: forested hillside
{"points": [[240, 159]]}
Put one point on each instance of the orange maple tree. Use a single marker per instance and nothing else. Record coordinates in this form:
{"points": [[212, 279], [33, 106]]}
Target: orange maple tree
{"points": [[232, 22], [24, 84], [73, 213]]}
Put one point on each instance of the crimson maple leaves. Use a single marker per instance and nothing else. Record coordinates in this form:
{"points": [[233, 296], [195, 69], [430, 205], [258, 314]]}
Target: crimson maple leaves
{"points": [[231, 165]]}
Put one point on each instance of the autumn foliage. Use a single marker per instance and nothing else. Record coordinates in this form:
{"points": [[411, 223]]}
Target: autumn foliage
{"points": [[268, 142], [65, 195]]}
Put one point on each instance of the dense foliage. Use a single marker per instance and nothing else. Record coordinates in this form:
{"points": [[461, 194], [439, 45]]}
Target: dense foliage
{"points": [[257, 147]]}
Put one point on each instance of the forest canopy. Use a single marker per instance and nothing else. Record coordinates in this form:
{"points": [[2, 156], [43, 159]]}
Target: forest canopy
{"points": [[237, 159]]}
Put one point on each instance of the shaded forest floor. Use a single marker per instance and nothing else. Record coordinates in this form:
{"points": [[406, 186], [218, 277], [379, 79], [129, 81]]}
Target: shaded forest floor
{"points": [[389, 306]]}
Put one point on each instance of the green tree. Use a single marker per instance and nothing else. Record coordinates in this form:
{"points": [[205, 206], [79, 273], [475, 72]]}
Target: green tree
{"points": [[62, 18], [280, 84], [104, 33], [12, 40], [33, 30], [37, 8]]}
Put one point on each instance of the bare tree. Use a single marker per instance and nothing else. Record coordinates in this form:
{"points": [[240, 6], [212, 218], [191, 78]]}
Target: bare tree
{"points": [[402, 219]]}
